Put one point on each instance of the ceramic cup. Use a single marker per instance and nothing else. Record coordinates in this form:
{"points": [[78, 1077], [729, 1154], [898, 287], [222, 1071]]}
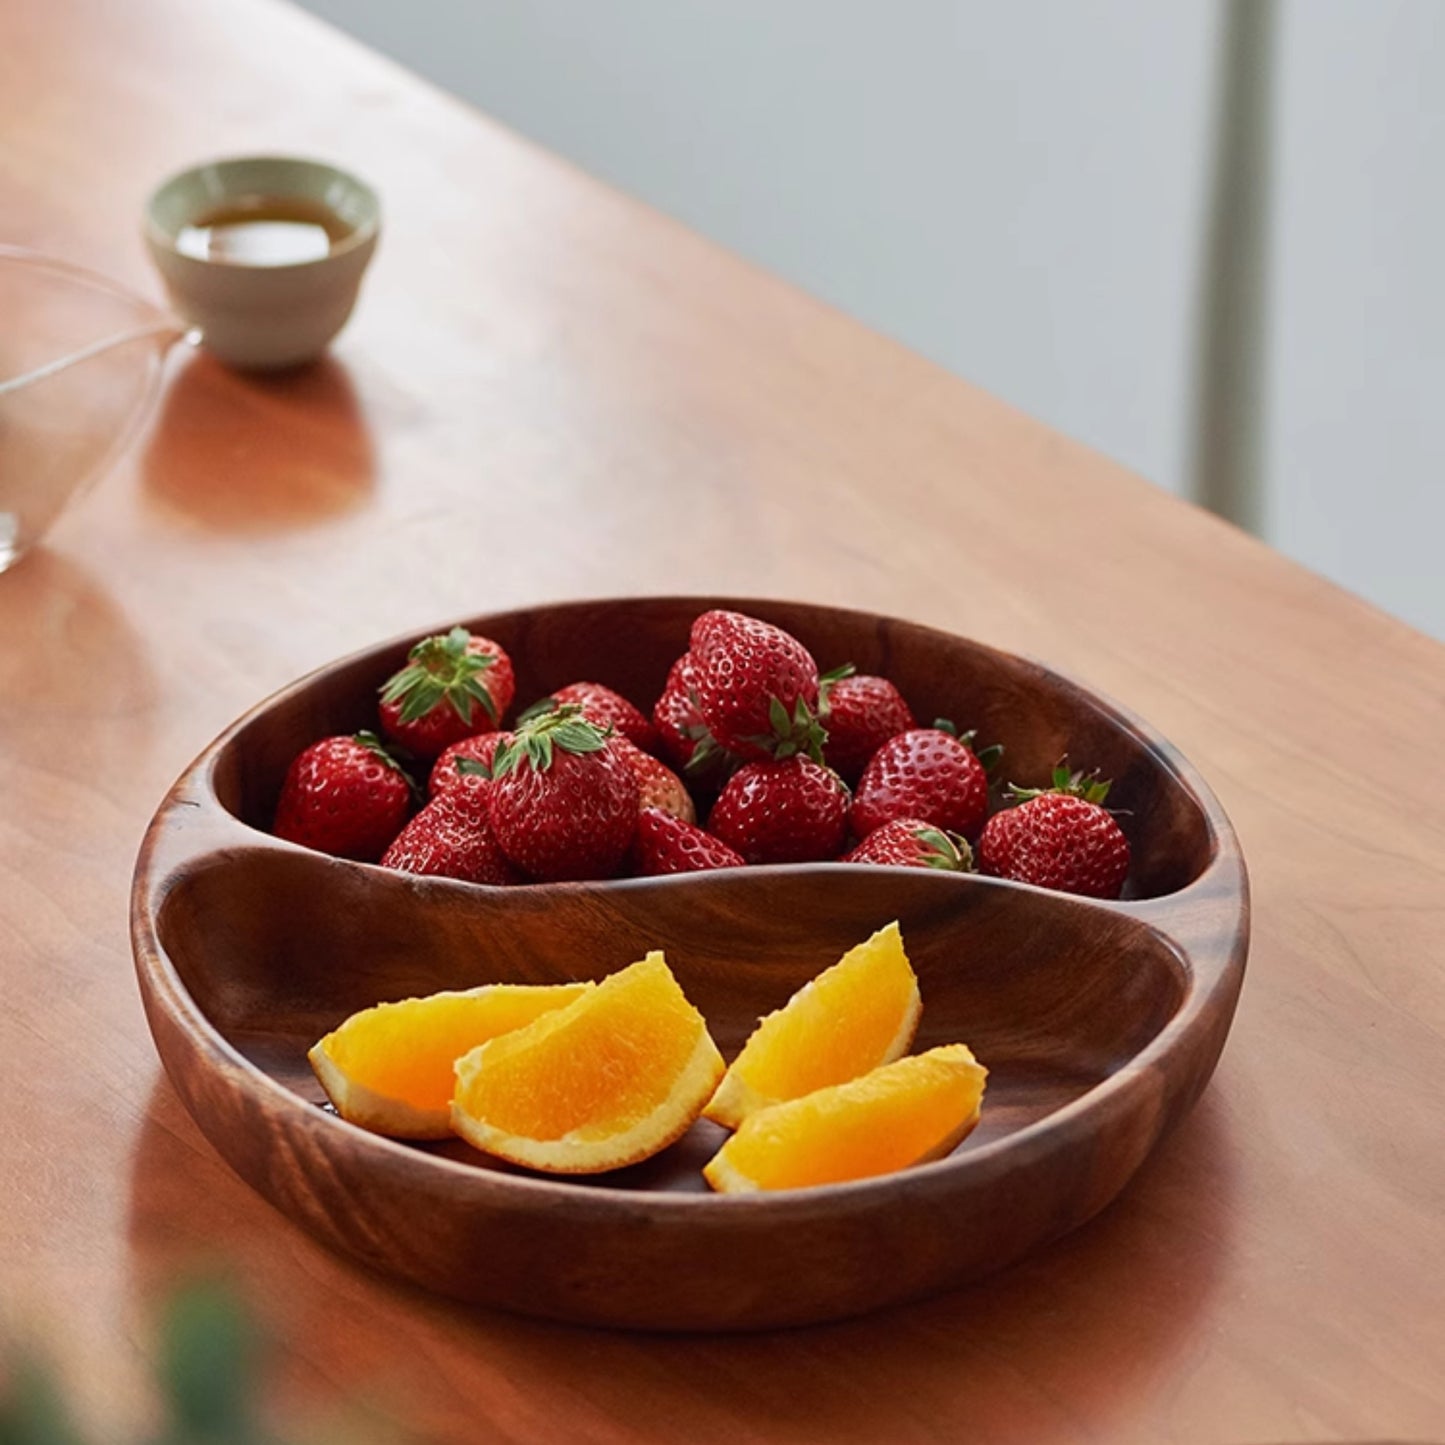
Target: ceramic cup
{"points": [[258, 313]]}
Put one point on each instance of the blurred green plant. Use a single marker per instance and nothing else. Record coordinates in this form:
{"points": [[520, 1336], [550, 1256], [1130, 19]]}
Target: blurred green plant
{"points": [[32, 1411], [209, 1377]]}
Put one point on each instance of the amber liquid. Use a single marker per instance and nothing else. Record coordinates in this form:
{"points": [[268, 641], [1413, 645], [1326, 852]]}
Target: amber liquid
{"points": [[263, 231]]}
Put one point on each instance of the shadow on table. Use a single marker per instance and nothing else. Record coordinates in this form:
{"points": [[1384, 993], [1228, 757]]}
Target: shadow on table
{"points": [[81, 655], [254, 453], [1058, 1346]]}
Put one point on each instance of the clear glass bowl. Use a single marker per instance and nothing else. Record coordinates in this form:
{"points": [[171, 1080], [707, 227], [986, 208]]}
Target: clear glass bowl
{"points": [[80, 366]]}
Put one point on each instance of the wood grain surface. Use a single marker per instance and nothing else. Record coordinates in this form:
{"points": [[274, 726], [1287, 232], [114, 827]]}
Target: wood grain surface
{"points": [[548, 391]]}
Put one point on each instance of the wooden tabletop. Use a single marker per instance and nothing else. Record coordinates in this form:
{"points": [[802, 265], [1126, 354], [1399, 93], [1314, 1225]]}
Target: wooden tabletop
{"points": [[548, 391]]}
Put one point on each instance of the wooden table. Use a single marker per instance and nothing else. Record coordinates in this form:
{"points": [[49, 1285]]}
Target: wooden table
{"points": [[550, 391]]}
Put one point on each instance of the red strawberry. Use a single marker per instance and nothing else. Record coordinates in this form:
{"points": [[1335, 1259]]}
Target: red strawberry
{"points": [[658, 786], [675, 716], [912, 843], [451, 687], [684, 735], [666, 844], [1061, 837], [922, 773], [344, 796], [606, 708], [478, 751], [757, 687], [452, 838], [794, 811], [860, 714], [563, 800]]}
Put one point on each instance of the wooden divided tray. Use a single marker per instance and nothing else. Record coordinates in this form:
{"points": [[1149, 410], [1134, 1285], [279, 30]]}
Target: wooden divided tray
{"points": [[1099, 1022]]}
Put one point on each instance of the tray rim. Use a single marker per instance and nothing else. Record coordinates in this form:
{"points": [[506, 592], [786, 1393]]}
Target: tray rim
{"points": [[148, 896]]}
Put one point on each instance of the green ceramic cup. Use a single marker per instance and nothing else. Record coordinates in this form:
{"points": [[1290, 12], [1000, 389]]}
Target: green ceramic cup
{"points": [[263, 310]]}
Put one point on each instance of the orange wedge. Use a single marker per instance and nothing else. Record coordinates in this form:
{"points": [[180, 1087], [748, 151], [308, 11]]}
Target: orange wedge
{"points": [[858, 1014], [391, 1068], [607, 1081], [901, 1114]]}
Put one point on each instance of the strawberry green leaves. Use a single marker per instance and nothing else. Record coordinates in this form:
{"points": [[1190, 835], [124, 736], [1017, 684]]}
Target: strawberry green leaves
{"points": [[563, 800], [756, 687], [374, 744], [538, 737], [395, 758], [990, 756], [943, 850], [1088, 786], [913, 843], [443, 669], [799, 733], [452, 687]]}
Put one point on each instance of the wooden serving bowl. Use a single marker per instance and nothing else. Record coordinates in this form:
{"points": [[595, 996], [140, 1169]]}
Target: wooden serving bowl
{"points": [[1099, 1022]]}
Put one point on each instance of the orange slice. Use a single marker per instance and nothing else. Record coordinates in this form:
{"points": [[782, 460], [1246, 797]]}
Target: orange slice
{"points": [[901, 1114], [607, 1081], [858, 1014], [391, 1068]]}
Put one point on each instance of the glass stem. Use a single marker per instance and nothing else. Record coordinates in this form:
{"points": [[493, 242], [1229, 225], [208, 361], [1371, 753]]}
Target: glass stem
{"points": [[169, 325]]}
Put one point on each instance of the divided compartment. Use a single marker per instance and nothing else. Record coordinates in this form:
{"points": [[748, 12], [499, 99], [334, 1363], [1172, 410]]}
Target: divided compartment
{"points": [[1039, 716], [1100, 1023], [1053, 996]]}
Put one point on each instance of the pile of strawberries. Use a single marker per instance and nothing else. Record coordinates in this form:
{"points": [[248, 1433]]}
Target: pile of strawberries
{"points": [[796, 766]]}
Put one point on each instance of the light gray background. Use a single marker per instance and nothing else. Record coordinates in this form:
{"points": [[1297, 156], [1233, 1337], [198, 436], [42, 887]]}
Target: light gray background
{"points": [[1019, 191]]}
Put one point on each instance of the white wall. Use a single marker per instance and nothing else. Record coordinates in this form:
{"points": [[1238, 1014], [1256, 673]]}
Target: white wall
{"points": [[1018, 191], [1355, 455]]}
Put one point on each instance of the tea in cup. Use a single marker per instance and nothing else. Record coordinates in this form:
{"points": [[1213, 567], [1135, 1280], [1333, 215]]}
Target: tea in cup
{"points": [[264, 255]]}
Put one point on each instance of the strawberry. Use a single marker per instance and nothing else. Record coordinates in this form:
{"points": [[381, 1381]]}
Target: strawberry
{"points": [[912, 843], [684, 735], [452, 838], [1060, 837], [667, 844], [601, 705], [924, 773], [658, 786], [451, 687], [344, 795], [563, 800], [757, 687], [477, 752], [792, 811], [860, 714]]}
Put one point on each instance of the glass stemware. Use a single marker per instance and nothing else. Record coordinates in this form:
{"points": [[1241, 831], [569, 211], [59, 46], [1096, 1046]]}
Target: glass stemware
{"points": [[80, 366]]}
